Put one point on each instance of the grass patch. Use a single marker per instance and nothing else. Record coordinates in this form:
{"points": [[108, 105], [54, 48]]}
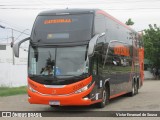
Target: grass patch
{"points": [[8, 91]]}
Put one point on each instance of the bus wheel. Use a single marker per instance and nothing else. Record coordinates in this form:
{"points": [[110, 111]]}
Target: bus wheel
{"points": [[134, 89], [105, 99]]}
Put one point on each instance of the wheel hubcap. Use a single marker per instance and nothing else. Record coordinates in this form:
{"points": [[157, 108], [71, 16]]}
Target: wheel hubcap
{"points": [[133, 89], [104, 97]]}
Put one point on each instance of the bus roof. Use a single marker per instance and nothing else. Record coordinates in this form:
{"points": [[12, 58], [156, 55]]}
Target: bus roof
{"points": [[67, 11], [83, 11]]}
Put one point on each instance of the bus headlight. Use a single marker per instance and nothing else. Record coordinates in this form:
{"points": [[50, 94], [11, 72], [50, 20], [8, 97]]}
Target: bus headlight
{"points": [[31, 89], [82, 89]]}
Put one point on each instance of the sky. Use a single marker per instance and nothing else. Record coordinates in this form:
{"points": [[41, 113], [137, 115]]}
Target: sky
{"points": [[20, 14]]}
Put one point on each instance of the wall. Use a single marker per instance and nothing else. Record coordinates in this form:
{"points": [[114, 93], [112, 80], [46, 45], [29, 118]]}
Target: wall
{"points": [[13, 75]]}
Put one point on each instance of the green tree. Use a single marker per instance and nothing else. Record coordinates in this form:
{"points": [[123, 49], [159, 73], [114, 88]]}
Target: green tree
{"points": [[151, 39], [129, 22]]}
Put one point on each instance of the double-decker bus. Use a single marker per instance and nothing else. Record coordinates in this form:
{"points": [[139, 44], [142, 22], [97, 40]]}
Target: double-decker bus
{"points": [[82, 57]]}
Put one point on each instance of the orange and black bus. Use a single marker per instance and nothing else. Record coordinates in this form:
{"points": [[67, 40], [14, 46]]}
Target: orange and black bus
{"points": [[82, 57]]}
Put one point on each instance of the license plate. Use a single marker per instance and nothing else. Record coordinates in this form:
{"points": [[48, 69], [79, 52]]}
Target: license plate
{"points": [[54, 102]]}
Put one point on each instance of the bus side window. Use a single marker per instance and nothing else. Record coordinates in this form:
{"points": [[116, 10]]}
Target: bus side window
{"points": [[101, 40], [100, 24], [94, 65], [109, 65]]}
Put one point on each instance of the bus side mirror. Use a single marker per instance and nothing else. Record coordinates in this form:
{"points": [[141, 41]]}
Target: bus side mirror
{"points": [[93, 42], [17, 45]]}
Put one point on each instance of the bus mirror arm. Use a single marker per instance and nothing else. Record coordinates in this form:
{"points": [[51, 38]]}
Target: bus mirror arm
{"points": [[102, 34], [17, 45], [93, 42]]}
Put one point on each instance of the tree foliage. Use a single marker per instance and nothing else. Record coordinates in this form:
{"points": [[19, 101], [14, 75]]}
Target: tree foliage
{"points": [[151, 39], [129, 22]]}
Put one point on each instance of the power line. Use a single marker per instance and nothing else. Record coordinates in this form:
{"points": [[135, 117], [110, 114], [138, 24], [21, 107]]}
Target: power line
{"points": [[43, 3], [135, 9], [78, 2], [20, 34], [29, 6], [25, 8], [4, 38], [4, 5], [13, 26], [105, 9]]}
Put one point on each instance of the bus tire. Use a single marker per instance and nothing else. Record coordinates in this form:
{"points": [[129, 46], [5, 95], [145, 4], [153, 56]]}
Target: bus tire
{"points": [[105, 99], [134, 89]]}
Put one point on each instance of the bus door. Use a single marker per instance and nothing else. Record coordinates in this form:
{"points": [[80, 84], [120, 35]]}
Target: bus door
{"points": [[95, 75], [109, 71]]}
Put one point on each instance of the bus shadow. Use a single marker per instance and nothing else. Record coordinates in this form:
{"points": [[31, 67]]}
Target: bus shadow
{"points": [[68, 109], [85, 111], [72, 108]]}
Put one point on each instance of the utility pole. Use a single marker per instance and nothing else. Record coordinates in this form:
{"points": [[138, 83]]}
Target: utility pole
{"points": [[12, 43]]}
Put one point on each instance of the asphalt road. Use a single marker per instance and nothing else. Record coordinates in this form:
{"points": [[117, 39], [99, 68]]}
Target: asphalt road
{"points": [[148, 99]]}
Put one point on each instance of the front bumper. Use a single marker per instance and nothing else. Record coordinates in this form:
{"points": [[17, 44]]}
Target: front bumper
{"points": [[65, 100]]}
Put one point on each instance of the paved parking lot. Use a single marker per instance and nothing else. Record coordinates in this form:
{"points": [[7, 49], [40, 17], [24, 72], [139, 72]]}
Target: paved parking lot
{"points": [[148, 99]]}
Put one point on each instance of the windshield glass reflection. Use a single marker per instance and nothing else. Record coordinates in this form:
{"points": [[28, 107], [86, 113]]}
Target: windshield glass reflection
{"points": [[58, 62]]}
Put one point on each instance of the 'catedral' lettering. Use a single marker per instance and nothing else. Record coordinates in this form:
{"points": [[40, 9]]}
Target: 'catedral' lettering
{"points": [[121, 50], [54, 21]]}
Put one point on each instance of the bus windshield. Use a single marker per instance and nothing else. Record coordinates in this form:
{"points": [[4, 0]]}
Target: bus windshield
{"points": [[58, 62], [62, 28]]}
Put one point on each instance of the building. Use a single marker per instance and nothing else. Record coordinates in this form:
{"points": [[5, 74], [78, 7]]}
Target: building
{"points": [[6, 54]]}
